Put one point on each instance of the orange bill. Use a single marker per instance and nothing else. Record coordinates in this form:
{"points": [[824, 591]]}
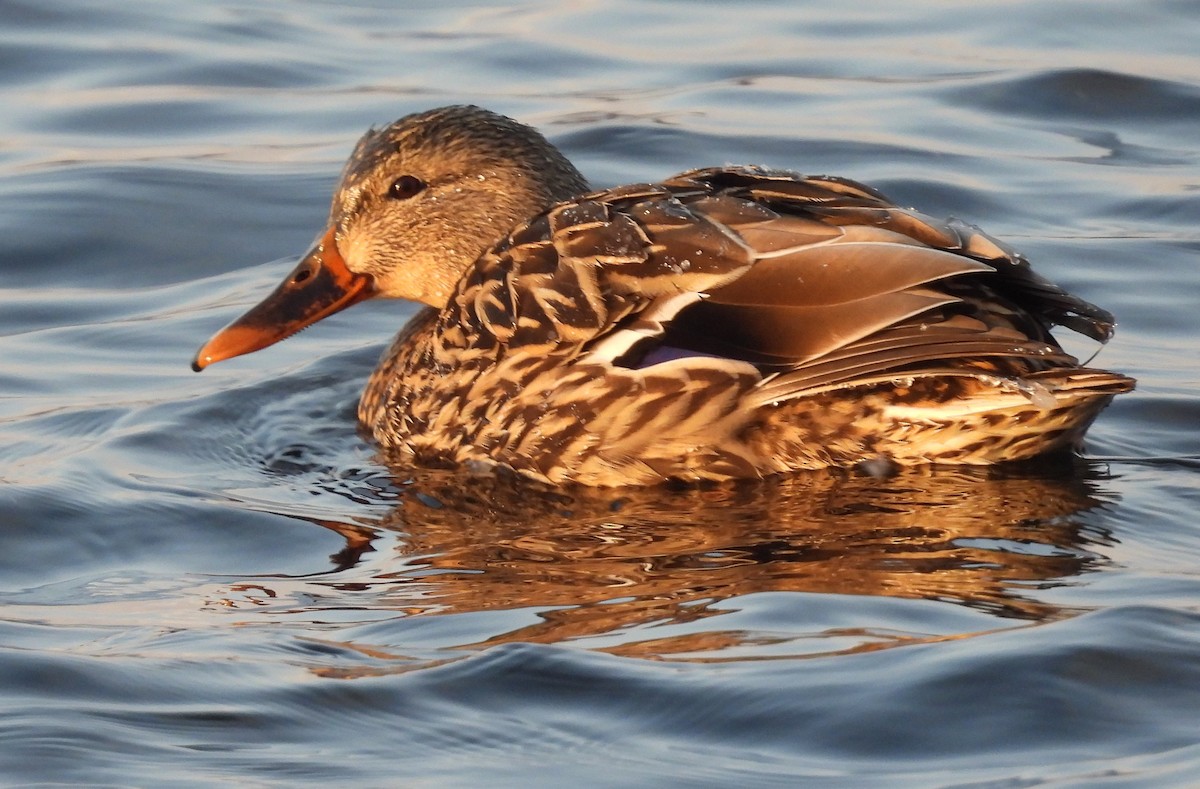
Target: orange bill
{"points": [[319, 286]]}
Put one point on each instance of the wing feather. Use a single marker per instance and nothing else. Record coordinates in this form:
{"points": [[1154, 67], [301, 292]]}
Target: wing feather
{"points": [[815, 281]]}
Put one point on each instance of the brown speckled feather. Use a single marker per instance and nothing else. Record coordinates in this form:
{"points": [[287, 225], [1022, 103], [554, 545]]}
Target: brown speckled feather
{"points": [[736, 322]]}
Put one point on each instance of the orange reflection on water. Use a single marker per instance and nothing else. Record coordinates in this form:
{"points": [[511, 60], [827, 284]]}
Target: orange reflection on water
{"points": [[600, 567]]}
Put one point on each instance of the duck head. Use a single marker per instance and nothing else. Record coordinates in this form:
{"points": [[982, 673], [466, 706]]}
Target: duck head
{"points": [[417, 203]]}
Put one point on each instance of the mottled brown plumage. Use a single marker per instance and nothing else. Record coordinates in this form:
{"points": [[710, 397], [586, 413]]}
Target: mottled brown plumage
{"points": [[724, 323]]}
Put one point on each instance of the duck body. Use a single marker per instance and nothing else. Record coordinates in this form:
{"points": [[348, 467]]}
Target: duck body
{"points": [[724, 323]]}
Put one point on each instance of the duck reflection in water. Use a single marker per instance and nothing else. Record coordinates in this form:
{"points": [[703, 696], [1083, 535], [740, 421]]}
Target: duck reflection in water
{"points": [[725, 324], [607, 564]]}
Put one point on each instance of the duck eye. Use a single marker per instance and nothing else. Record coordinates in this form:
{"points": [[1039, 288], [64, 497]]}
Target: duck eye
{"points": [[405, 186]]}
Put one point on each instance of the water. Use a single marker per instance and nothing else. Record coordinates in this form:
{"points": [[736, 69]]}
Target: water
{"points": [[209, 580]]}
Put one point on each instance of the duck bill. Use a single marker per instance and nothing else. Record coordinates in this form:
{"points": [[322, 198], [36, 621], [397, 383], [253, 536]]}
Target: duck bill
{"points": [[319, 286]]}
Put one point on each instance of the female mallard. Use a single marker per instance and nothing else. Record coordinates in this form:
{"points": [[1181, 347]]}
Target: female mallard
{"points": [[725, 323]]}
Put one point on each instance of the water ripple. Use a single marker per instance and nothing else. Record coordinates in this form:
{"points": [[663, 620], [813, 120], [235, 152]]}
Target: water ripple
{"points": [[214, 579]]}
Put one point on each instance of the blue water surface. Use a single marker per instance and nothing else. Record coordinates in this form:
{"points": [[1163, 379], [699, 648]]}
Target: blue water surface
{"points": [[211, 580]]}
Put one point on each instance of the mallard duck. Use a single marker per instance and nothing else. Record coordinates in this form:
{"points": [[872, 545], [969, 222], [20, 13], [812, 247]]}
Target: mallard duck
{"points": [[724, 323]]}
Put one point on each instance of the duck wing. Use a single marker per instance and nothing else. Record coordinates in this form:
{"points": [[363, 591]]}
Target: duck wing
{"points": [[814, 281]]}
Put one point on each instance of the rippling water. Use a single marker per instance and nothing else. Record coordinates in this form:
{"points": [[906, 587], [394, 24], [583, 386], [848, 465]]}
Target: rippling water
{"points": [[209, 579]]}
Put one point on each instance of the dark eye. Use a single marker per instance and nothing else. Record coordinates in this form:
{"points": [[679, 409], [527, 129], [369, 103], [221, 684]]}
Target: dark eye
{"points": [[405, 186]]}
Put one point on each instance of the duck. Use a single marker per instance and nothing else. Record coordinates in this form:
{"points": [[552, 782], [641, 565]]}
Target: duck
{"points": [[724, 323]]}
